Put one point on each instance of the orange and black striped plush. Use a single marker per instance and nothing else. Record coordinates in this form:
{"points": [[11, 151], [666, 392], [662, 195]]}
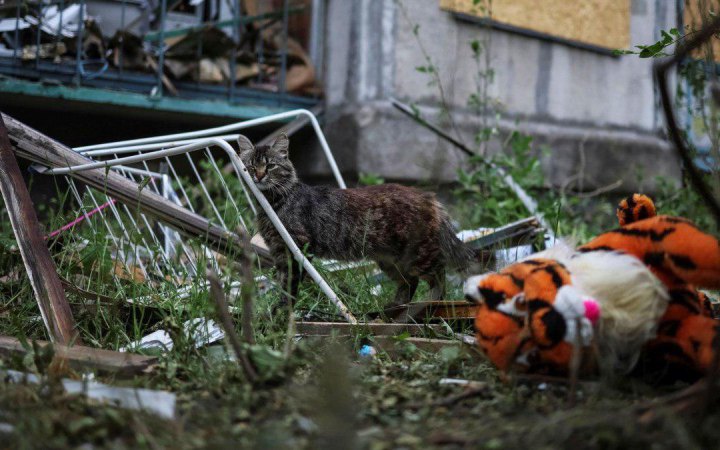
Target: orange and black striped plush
{"points": [[682, 257], [516, 318], [635, 207], [673, 247], [643, 277], [501, 333]]}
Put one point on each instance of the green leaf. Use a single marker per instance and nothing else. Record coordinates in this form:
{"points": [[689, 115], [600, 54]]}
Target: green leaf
{"points": [[402, 336], [415, 110], [143, 183], [450, 353]]}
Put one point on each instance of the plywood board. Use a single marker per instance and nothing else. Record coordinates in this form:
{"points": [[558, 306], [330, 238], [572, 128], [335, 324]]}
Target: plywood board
{"points": [[695, 15], [603, 23]]}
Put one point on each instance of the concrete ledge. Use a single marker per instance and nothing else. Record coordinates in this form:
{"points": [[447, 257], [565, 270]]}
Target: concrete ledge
{"points": [[376, 138]]}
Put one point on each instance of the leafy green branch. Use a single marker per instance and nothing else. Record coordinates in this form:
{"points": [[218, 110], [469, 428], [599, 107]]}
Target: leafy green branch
{"points": [[657, 49]]}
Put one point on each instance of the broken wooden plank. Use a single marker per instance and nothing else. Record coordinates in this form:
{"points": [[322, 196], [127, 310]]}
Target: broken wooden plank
{"points": [[85, 358], [36, 147], [40, 267], [377, 329], [433, 309], [393, 346]]}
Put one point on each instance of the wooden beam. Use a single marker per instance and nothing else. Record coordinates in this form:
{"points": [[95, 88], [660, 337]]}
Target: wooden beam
{"points": [[84, 358], [377, 329], [433, 309], [40, 267], [36, 147], [393, 346]]}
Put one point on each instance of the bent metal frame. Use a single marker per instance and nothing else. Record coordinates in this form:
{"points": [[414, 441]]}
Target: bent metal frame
{"points": [[122, 153]]}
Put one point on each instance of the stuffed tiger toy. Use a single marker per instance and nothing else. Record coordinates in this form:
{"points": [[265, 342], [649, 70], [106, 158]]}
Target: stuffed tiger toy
{"points": [[627, 295], [683, 347]]}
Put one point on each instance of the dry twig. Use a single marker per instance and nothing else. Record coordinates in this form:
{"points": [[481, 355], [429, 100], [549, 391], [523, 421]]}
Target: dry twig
{"points": [[661, 69], [696, 179], [218, 295], [246, 288], [575, 365]]}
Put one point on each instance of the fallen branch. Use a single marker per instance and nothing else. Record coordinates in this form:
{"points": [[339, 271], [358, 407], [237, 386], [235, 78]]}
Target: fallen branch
{"points": [[216, 291], [676, 135], [85, 358], [455, 398], [686, 401], [696, 179], [246, 288]]}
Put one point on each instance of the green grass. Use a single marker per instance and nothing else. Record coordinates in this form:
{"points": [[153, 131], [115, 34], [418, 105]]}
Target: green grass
{"points": [[317, 393]]}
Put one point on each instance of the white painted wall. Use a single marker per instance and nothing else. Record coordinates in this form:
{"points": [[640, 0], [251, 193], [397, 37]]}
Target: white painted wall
{"points": [[373, 54]]}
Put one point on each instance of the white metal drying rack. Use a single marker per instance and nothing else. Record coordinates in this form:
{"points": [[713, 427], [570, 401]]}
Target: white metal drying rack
{"points": [[183, 143]]}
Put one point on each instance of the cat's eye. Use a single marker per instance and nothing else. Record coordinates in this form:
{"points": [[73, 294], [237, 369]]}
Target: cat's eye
{"points": [[271, 166]]}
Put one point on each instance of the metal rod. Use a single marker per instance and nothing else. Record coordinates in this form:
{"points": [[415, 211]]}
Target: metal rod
{"points": [[205, 191], [156, 146], [161, 47], [294, 249], [79, 46], [227, 189], [233, 55], [182, 189], [521, 194], [124, 231], [138, 143], [154, 238], [245, 176], [199, 58], [38, 34], [60, 24], [187, 252], [17, 30], [260, 50], [167, 240], [122, 38], [316, 34], [283, 56]]}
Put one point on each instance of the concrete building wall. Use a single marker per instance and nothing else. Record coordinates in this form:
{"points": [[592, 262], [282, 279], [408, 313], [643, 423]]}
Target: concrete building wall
{"points": [[595, 113]]}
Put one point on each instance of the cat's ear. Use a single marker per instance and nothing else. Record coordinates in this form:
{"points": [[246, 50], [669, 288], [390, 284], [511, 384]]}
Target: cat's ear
{"points": [[244, 145], [281, 145]]}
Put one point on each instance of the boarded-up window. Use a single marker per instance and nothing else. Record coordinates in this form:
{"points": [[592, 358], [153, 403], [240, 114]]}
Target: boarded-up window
{"points": [[695, 15], [601, 23]]}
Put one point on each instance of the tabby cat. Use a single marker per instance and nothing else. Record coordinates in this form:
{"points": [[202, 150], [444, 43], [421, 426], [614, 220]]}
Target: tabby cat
{"points": [[404, 230]]}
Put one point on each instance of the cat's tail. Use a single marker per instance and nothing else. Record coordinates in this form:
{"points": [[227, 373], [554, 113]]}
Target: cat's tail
{"points": [[457, 254]]}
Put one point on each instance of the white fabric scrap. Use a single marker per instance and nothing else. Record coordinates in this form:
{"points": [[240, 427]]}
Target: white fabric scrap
{"points": [[203, 332], [161, 403]]}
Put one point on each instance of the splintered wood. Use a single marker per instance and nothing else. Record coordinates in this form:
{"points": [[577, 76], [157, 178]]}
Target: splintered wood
{"points": [[85, 358], [40, 267]]}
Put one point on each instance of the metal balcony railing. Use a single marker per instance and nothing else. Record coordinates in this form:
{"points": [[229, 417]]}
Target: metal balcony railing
{"points": [[176, 49]]}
